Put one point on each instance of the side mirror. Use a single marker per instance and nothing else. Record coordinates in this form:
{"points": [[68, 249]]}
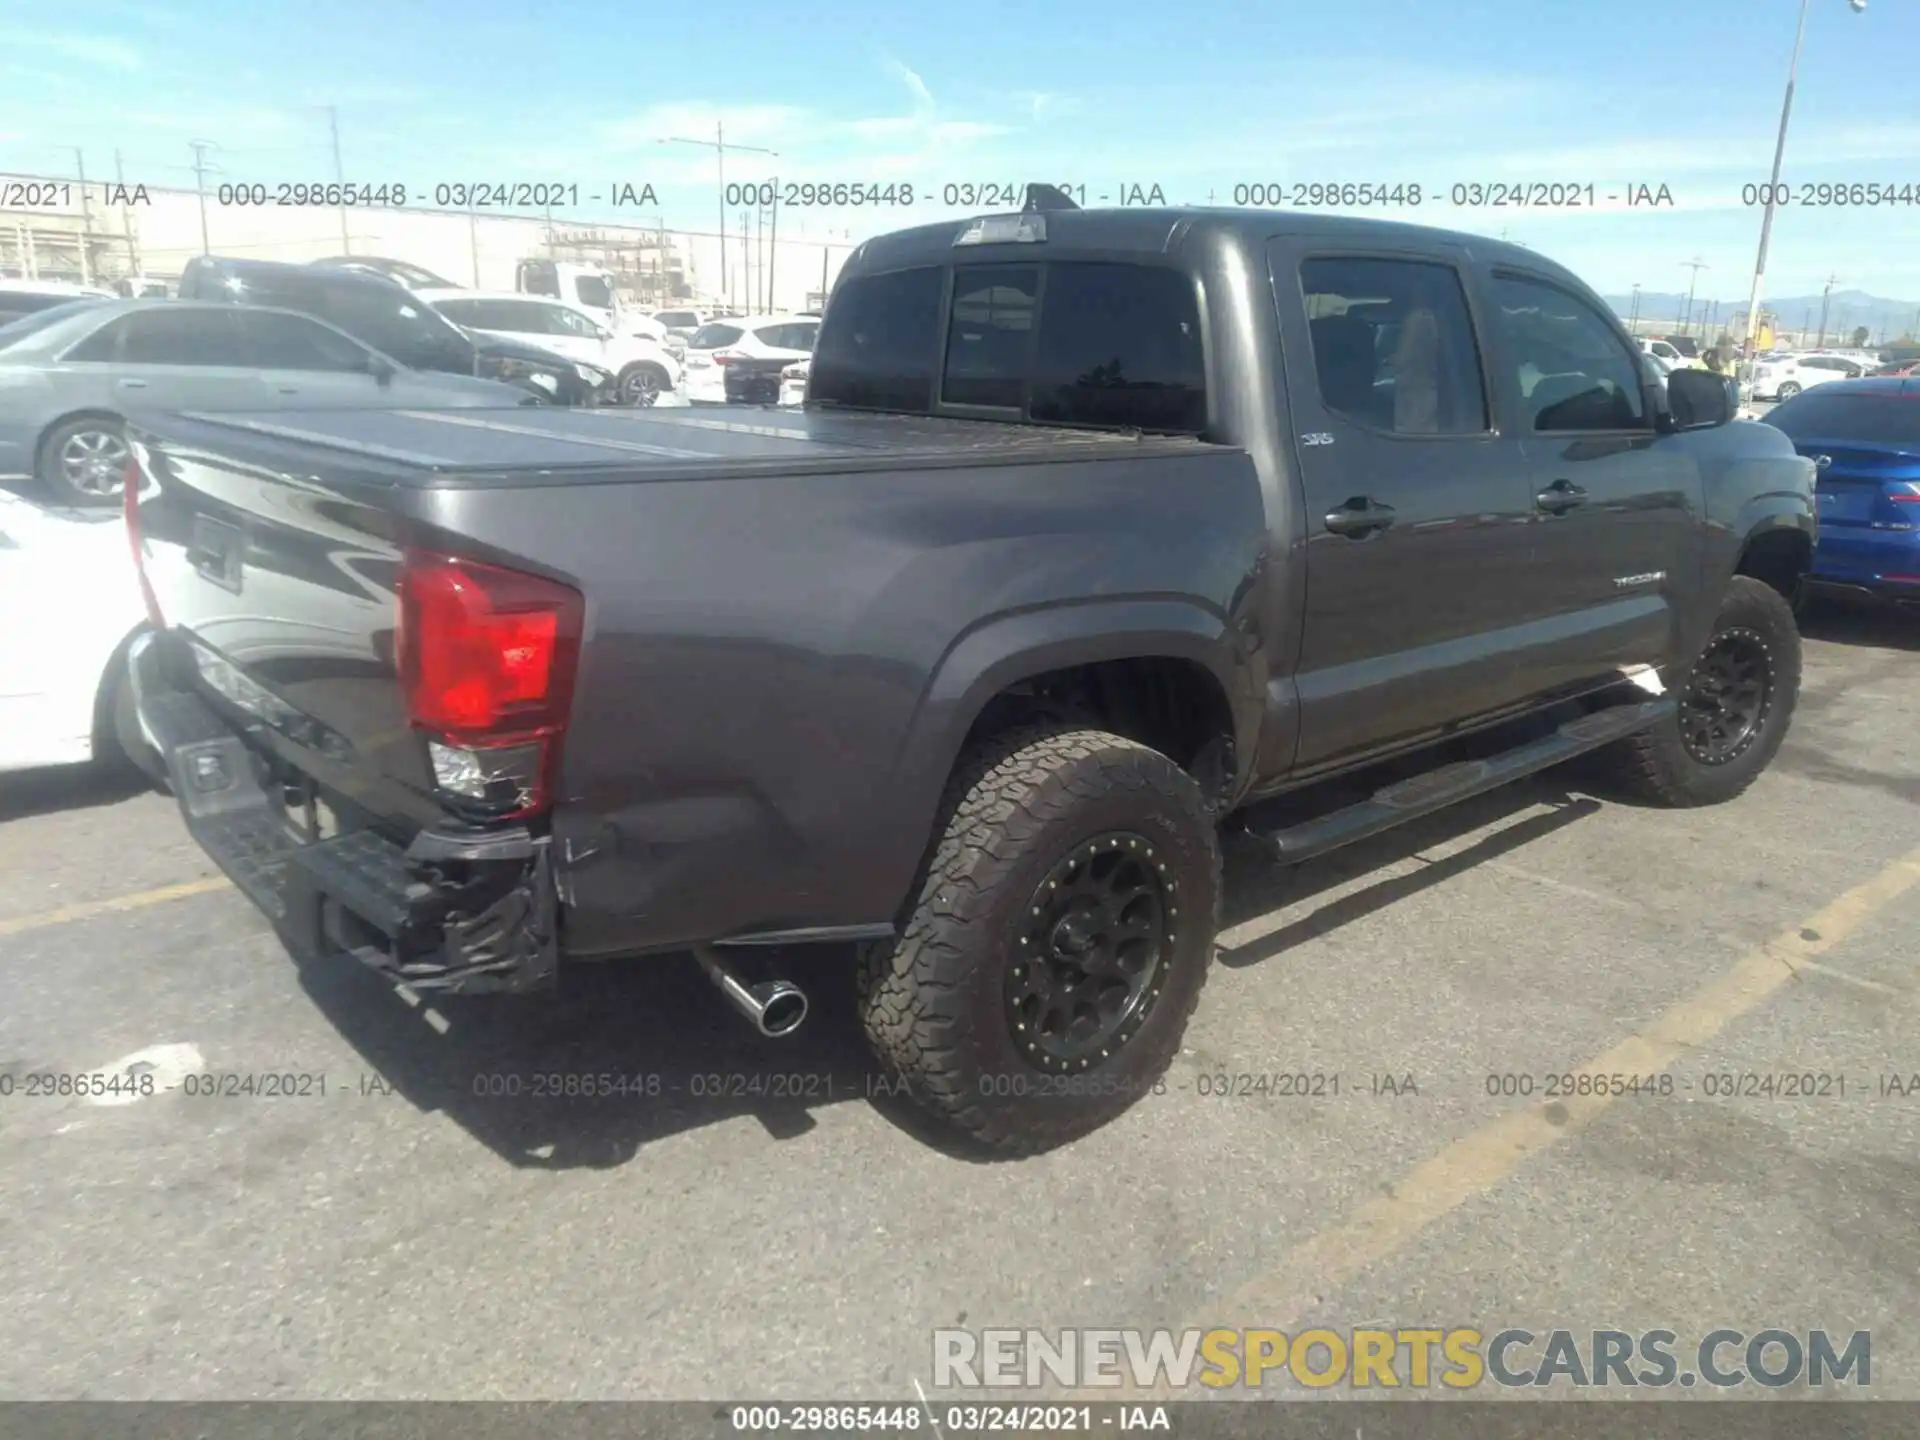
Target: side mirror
{"points": [[1700, 399]]}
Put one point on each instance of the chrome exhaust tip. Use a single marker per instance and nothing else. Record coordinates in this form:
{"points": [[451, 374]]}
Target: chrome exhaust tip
{"points": [[776, 1007]]}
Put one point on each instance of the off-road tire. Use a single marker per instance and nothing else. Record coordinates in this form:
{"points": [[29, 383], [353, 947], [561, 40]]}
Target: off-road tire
{"points": [[1656, 765], [934, 1002]]}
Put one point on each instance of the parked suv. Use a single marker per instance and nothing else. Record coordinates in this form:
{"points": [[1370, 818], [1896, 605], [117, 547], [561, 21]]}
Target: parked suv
{"points": [[1785, 376], [644, 373], [385, 314], [720, 343]]}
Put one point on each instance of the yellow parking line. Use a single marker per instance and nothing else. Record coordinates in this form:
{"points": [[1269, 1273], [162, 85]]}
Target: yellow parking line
{"points": [[87, 909], [1474, 1164]]}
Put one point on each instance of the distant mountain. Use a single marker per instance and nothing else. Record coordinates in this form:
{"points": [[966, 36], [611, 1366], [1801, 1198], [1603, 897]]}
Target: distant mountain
{"points": [[1846, 309]]}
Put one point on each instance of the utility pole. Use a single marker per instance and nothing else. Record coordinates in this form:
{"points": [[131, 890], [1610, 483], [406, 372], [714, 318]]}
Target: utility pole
{"points": [[1696, 265], [773, 252], [339, 176], [200, 148], [1826, 298], [746, 263], [720, 147], [86, 218], [126, 215], [1633, 312]]}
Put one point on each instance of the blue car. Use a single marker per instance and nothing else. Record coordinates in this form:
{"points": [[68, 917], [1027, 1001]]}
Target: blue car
{"points": [[1864, 437]]}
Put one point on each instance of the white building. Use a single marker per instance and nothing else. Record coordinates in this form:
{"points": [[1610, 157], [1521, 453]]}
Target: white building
{"points": [[98, 233]]}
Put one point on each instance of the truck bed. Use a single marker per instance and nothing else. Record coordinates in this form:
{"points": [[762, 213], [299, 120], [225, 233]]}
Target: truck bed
{"points": [[566, 446], [788, 623]]}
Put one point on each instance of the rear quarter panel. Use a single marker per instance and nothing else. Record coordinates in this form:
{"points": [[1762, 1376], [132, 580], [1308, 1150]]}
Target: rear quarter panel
{"points": [[779, 672]]}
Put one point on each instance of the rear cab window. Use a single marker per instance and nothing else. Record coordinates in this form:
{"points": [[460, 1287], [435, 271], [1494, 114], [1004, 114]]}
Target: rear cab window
{"points": [[1886, 417], [1078, 343]]}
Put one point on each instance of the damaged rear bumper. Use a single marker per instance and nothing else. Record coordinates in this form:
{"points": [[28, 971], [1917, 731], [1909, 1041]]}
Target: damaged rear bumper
{"points": [[455, 910]]}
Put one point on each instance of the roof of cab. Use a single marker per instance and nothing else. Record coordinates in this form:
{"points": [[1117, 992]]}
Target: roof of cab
{"points": [[1152, 230]]}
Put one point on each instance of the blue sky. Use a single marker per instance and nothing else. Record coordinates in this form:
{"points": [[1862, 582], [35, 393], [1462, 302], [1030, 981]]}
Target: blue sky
{"points": [[1195, 98]]}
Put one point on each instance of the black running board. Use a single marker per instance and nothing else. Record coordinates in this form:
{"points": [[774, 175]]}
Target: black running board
{"points": [[1461, 780]]}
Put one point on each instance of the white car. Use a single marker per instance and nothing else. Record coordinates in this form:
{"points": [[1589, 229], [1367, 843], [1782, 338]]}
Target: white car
{"points": [[793, 383], [1669, 356], [748, 337], [30, 297], [1781, 377], [63, 697], [644, 372], [589, 289]]}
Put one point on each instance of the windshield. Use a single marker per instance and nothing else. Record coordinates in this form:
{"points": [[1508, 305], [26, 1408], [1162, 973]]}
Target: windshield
{"points": [[1867, 419], [16, 331]]}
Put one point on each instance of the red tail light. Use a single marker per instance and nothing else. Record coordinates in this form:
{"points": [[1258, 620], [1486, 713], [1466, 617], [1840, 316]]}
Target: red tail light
{"points": [[130, 485], [487, 658], [727, 357]]}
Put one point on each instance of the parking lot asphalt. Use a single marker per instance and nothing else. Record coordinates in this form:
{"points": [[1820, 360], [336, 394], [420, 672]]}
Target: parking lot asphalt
{"points": [[403, 1236]]}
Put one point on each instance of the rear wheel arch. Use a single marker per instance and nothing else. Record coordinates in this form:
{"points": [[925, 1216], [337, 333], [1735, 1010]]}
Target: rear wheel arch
{"points": [[1164, 672]]}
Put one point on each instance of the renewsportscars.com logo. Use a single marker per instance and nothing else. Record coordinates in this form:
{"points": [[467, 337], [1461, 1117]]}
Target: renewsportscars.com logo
{"points": [[1460, 1358]]}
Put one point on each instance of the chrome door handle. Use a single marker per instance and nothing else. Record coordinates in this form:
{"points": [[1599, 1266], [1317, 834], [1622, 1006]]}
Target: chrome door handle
{"points": [[1359, 517], [1560, 496]]}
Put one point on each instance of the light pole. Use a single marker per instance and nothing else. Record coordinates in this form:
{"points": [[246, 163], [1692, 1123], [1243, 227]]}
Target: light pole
{"points": [[719, 147], [339, 175], [1773, 186], [1633, 315], [1696, 265], [200, 168]]}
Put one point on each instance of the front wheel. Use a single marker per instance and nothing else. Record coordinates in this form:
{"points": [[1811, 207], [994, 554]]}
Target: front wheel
{"points": [[1059, 942], [1786, 391], [84, 462], [641, 385], [1735, 706]]}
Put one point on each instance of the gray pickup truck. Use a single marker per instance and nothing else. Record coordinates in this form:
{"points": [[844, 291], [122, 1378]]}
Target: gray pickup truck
{"points": [[1099, 530]]}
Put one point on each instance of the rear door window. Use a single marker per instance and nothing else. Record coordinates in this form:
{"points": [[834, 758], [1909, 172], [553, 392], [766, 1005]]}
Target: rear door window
{"points": [[1120, 346], [1393, 345], [168, 336], [712, 337]]}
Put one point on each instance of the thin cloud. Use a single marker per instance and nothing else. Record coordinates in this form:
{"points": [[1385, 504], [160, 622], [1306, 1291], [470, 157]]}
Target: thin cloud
{"points": [[922, 97], [102, 50]]}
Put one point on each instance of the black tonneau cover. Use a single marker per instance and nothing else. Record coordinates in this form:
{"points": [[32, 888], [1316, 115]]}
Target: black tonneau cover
{"points": [[524, 445]]}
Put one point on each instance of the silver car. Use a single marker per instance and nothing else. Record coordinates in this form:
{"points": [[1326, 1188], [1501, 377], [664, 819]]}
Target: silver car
{"points": [[68, 375]]}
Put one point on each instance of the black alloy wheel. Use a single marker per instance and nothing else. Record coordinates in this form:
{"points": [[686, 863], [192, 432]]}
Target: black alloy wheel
{"points": [[1728, 695], [1093, 944]]}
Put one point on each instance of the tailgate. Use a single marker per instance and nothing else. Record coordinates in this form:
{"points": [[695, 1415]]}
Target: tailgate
{"points": [[279, 598]]}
